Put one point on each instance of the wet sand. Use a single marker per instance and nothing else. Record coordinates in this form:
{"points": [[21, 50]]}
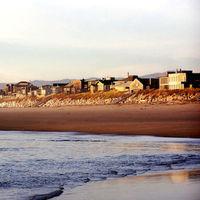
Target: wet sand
{"points": [[180, 185], [157, 120]]}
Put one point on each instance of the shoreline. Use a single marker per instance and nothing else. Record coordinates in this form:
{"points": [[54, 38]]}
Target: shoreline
{"points": [[151, 120], [172, 177], [176, 184]]}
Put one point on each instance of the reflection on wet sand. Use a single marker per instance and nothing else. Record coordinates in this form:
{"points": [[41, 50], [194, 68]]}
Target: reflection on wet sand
{"points": [[179, 177], [176, 185], [174, 147], [178, 147]]}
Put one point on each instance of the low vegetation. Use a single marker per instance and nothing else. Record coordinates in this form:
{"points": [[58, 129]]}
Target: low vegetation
{"points": [[105, 98]]}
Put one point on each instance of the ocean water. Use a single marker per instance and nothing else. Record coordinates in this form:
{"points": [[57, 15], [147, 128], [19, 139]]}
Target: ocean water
{"points": [[34, 163]]}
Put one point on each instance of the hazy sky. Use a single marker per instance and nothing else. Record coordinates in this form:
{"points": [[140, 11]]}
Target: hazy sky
{"points": [[55, 39]]}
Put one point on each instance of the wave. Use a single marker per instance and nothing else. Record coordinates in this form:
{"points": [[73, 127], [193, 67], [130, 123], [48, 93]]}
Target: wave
{"points": [[50, 195], [76, 140]]}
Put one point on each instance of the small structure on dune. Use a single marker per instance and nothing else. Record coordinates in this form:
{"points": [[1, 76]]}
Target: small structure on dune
{"points": [[124, 84], [45, 90], [58, 88], [73, 87], [104, 85]]}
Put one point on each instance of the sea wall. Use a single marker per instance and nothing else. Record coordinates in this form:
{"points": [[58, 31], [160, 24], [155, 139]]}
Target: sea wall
{"points": [[107, 98]]}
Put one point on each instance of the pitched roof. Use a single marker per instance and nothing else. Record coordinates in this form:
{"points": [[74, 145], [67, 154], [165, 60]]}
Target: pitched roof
{"points": [[22, 84]]}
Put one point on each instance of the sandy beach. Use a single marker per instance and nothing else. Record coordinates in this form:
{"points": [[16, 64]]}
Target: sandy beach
{"points": [[158, 120], [177, 185]]}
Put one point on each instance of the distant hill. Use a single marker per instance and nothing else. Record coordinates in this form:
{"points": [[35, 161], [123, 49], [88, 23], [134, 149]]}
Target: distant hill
{"points": [[155, 75], [2, 85], [43, 82]]}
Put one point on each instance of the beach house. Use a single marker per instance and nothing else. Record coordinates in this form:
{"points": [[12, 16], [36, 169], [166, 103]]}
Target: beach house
{"points": [[73, 87], [2, 93], [84, 85], [58, 88], [122, 86], [180, 79], [144, 83], [45, 90], [23, 88], [105, 84]]}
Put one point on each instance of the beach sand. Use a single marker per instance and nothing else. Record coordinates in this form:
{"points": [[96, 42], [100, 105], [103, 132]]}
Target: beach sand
{"points": [[180, 185], [157, 120]]}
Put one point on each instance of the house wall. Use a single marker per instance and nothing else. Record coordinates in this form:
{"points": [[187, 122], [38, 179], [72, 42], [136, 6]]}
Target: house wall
{"points": [[163, 83], [106, 87], [57, 90], [84, 85], [176, 81], [76, 86], [93, 88], [45, 91], [100, 86], [123, 87], [193, 80], [33, 93], [136, 85], [116, 83], [120, 88]]}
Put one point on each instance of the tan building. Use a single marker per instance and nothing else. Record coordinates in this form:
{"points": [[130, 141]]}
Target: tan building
{"points": [[93, 88], [73, 87], [144, 83], [104, 85], [136, 85], [8, 89], [101, 86], [23, 88], [179, 80], [122, 86], [164, 83], [45, 90], [58, 88]]}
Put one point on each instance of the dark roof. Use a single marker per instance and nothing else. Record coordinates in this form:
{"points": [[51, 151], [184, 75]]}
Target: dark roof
{"points": [[131, 78], [180, 71], [45, 86], [59, 84], [106, 82], [147, 81]]}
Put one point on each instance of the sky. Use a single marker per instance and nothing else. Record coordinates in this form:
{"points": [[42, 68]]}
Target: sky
{"points": [[57, 39]]}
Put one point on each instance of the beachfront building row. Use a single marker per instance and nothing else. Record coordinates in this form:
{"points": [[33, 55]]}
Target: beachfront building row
{"points": [[129, 84], [180, 79]]}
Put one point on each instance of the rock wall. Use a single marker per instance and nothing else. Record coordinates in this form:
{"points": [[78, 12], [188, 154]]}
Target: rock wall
{"points": [[164, 98], [141, 97]]}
